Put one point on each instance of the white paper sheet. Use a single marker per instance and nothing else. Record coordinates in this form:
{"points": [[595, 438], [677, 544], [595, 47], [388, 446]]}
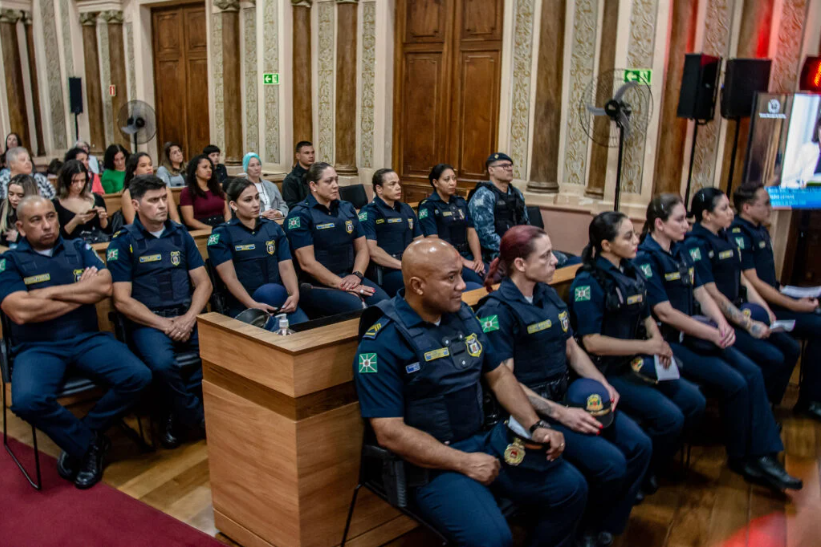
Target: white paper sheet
{"points": [[517, 428], [783, 325], [801, 292], [670, 373]]}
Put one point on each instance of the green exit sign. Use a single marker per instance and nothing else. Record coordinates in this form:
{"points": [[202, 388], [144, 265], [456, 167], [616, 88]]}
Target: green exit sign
{"points": [[270, 78], [642, 75]]}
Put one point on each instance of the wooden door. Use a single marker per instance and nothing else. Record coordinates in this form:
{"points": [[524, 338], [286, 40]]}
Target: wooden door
{"points": [[181, 77], [448, 70]]}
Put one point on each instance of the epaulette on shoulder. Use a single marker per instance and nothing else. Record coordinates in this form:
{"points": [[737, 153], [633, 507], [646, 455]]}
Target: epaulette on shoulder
{"points": [[374, 330]]}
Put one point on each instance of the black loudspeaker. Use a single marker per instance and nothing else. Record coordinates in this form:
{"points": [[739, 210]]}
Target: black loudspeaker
{"points": [[75, 95], [699, 84], [742, 80]]}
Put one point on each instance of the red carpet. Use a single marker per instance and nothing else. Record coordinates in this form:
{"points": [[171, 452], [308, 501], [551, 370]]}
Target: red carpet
{"points": [[62, 516]]}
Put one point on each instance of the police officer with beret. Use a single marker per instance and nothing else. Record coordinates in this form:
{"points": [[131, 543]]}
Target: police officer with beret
{"points": [[445, 215], [160, 285], [528, 327], [418, 373], [704, 346], [718, 262], [611, 318], [330, 247], [389, 227], [49, 287], [253, 258], [749, 231]]}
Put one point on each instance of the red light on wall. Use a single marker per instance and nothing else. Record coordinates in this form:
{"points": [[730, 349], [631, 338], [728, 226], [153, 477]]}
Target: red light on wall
{"points": [[811, 75]]}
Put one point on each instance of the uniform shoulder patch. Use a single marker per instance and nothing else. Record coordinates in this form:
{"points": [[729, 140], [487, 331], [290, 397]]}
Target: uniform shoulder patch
{"points": [[119, 233], [294, 222], [363, 216], [2, 265], [695, 254], [423, 213], [213, 239], [582, 294], [367, 363], [736, 230], [740, 242], [490, 323], [373, 330], [112, 255], [647, 270]]}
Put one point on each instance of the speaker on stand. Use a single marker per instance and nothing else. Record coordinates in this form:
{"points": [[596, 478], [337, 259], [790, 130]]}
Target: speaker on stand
{"points": [[742, 80], [697, 98]]}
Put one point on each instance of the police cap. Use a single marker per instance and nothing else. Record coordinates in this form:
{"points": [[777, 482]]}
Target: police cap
{"points": [[593, 397], [498, 156]]}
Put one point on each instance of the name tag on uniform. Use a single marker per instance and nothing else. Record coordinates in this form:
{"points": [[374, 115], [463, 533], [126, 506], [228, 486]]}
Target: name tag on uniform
{"points": [[540, 326], [150, 258], [394, 220], [436, 354], [447, 214], [725, 254], [412, 368], [37, 279], [380, 221], [762, 244], [672, 276], [325, 226], [634, 299], [249, 247]]}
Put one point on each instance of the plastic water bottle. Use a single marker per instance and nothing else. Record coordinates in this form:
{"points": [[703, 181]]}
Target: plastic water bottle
{"points": [[283, 325]]}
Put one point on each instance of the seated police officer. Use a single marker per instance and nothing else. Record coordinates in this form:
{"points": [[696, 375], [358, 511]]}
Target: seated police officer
{"points": [[528, 326], [445, 215], [749, 230], [154, 263], [418, 370], [253, 259], [49, 288], [389, 226], [330, 247]]}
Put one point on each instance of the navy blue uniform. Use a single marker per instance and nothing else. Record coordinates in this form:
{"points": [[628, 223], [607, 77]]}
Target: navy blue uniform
{"points": [[613, 302], [46, 350], [718, 260], [256, 255], [429, 375], [535, 336], [332, 232], [750, 427], [393, 229], [450, 220], [158, 270], [757, 254]]}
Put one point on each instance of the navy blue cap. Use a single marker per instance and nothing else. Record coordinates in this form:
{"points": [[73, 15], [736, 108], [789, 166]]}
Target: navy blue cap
{"points": [[498, 156], [644, 366], [756, 313], [592, 397]]}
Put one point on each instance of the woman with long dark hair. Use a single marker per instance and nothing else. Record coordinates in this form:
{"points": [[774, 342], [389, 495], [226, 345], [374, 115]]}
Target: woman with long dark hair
{"points": [[141, 164], [81, 212], [202, 201], [114, 163], [172, 165], [19, 187]]}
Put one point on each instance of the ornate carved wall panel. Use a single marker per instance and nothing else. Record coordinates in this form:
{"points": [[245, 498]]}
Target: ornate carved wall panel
{"points": [[56, 106], [325, 56], [522, 63], [249, 22], [368, 83], [270, 63]]}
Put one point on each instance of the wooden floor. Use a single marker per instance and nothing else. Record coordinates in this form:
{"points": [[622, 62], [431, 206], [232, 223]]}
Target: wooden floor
{"points": [[709, 507]]}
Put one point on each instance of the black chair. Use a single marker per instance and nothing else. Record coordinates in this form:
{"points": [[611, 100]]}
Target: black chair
{"points": [[534, 213], [354, 193], [219, 294]]}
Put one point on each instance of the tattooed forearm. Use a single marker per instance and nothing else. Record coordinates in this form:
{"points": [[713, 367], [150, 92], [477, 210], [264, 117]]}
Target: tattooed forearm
{"points": [[542, 406]]}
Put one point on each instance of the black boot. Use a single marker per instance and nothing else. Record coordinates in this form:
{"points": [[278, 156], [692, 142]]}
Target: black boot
{"points": [[67, 466], [776, 475], [91, 468], [168, 437]]}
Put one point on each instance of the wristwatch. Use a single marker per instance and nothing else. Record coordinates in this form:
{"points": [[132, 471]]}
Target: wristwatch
{"points": [[541, 423], [359, 275]]}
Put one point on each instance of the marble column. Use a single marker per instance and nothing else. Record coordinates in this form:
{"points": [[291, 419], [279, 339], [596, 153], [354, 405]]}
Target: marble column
{"points": [[116, 61], [93, 87], [301, 58], [346, 31], [13, 73], [231, 74], [38, 144]]}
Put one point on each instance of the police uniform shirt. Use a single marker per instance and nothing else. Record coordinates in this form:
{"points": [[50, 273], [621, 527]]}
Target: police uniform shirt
{"points": [[675, 261], [23, 269], [385, 363], [717, 260], [448, 220], [756, 249], [127, 262], [393, 228], [587, 300]]}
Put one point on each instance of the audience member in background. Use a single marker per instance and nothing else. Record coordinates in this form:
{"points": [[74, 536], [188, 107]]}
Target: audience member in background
{"points": [[329, 243], [202, 201], [19, 163], [81, 212], [12, 141], [49, 288], [172, 166], [213, 153], [19, 187], [445, 215], [82, 156], [295, 188], [140, 164], [271, 204], [160, 285], [53, 170], [93, 164], [253, 258], [389, 227], [114, 163]]}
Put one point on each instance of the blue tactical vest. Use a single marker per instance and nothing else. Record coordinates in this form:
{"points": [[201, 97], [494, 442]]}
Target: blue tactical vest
{"points": [[159, 269], [678, 274], [509, 210], [333, 236], [451, 221], [762, 250], [724, 258], [444, 397], [39, 272], [253, 255], [394, 229]]}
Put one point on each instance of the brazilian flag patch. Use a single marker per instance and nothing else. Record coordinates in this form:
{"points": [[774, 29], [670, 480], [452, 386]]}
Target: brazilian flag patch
{"points": [[489, 324], [367, 363]]}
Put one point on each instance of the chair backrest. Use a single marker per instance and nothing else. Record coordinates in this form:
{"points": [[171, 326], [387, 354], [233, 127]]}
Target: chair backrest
{"points": [[219, 294], [534, 213], [354, 193]]}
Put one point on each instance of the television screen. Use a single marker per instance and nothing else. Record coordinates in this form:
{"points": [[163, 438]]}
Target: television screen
{"points": [[800, 181]]}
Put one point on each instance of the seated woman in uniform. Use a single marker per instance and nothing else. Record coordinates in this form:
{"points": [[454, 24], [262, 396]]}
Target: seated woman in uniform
{"points": [[330, 247], [202, 201], [253, 259], [389, 226], [140, 164], [528, 327], [271, 204], [704, 345], [718, 263], [19, 187], [445, 215], [611, 317], [81, 213]]}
